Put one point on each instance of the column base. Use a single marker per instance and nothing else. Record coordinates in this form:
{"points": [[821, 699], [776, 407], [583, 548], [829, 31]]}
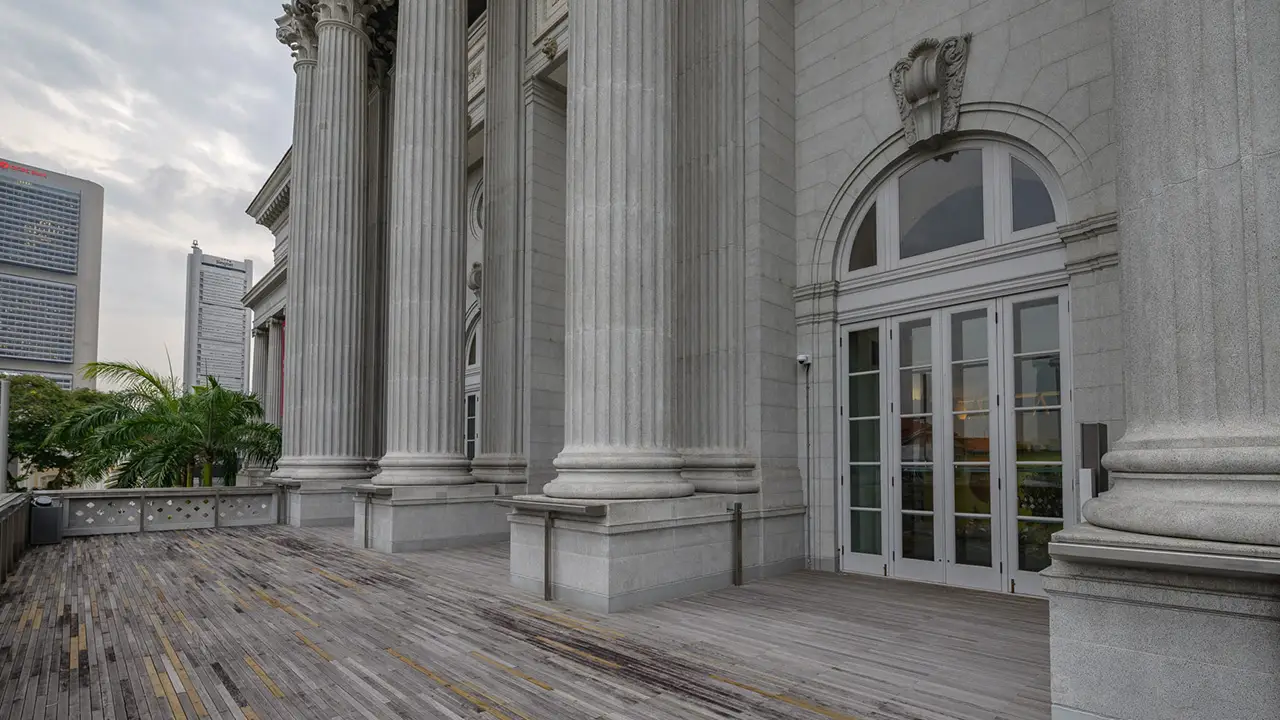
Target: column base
{"points": [[405, 518], [1146, 628], [1228, 508], [720, 473], [413, 470], [503, 469], [313, 487], [605, 475], [641, 552]]}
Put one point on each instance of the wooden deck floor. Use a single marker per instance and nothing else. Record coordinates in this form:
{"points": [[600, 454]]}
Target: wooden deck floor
{"points": [[275, 622]]}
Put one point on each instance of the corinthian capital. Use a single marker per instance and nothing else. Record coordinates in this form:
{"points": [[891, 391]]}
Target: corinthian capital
{"points": [[297, 29], [355, 13]]}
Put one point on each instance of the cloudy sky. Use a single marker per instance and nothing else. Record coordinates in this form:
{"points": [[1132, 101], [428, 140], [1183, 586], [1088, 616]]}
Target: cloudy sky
{"points": [[179, 109]]}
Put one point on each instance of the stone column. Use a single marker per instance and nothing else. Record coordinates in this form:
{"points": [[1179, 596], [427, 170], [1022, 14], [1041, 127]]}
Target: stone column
{"points": [[503, 370], [1198, 115], [274, 371], [427, 249], [711, 268], [297, 30], [334, 272], [260, 365], [619, 336]]}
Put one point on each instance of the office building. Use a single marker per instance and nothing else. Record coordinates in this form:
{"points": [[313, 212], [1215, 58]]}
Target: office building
{"points": [[876, 273], [50, 273], [217, 323]]}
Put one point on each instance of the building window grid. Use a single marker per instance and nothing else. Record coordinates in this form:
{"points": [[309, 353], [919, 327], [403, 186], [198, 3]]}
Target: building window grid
{"points": [[39, 226], [37, 319]]}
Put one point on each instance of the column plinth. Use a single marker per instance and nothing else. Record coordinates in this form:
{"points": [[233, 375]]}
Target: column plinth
{"points": [[296, 28], [620, 331], [427, 250]]}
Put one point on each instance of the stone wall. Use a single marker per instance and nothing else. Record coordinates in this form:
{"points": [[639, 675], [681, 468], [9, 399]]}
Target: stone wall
{"points": [[1039, 75]]}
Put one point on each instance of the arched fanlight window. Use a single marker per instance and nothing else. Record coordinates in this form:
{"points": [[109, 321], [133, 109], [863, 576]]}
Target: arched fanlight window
{"points": [[473, 357], [972, 195]]}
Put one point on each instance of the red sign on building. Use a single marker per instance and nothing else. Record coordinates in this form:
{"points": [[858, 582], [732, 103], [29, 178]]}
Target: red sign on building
{"points": [[6, 165]]}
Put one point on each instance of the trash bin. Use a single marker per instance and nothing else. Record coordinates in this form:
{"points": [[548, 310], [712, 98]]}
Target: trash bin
{"points": [[46, 521]]}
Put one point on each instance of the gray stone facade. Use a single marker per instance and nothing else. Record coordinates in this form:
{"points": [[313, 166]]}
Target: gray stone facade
{"points": [[669, 263]]}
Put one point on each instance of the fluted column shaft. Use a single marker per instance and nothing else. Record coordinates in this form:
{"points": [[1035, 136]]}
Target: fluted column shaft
{"points": [[1199, 204], [427, 246], [297, 29], [259, 379], [274, 369], [334, 275], [503, 371], [711, 268], [619, 336]]}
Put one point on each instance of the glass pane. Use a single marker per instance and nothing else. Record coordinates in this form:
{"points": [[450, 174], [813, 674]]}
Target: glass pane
{"points": [[969, 390], [940, 203], [1037, 381], [864, 531], [917, 439], [864, 395], [1040, 491], [969, 335], [973, 541], [1031, 203], [917, 392], [863, 254], [471, 450], [471, 404], [915, 344], [1035, 326], [917, 488], [1033, 544], [864, 350], [972, 439], [471, 427], [864, 441], [917, 537], [973, 490], [1039, 435], [471, 351], [864, 486]]}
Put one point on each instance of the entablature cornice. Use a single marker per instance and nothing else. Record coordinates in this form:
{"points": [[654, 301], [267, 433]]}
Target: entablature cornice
{"points": [[272, 200]]}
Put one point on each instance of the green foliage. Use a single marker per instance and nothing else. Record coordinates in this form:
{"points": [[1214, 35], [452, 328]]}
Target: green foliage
{"points": [[36, 406], [151, 434]]}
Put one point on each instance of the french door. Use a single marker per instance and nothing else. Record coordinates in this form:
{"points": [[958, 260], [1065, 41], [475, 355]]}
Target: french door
{"points": [[957, 464]]}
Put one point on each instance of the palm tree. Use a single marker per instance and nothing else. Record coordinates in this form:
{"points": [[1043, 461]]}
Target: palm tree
{"points": [[152, 434]]}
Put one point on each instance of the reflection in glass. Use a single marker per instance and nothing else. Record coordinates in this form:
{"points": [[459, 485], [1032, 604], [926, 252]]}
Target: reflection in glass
{"points": [[1032, 205], [969, 390], [917, 439], [917, 392], [863, 253], [917, 489], [917, 537], [1039, 435], [864, 350], [1037, 381], [864, 531], [973, 490], [940, 203], [1035, 326], [973, 541], [1040, 491], [864, 440], [1033, 544], [864, 486], [972, 438], [915, 344], [969, 335], [864, 395]]}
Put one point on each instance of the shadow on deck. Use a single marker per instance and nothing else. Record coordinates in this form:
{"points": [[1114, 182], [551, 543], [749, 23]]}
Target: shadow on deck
{"points": [[277, 622]]}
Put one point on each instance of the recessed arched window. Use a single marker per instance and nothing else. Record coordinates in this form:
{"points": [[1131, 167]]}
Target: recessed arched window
{"points": [[473, 358], [972, 195]]}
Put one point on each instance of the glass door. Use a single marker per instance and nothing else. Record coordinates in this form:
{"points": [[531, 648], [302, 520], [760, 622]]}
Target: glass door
{"points": [[1038, 456], [972, 536], [863, 479], [917, 551]]}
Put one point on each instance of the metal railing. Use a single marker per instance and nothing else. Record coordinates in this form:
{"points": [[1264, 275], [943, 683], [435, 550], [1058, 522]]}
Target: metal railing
{"points": [[15, 517], [129, 510]]}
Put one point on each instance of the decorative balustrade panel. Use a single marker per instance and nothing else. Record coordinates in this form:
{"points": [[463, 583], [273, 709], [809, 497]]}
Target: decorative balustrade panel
{"points": [[477, 40], [102, 516], [102, 512], [545, 15]]}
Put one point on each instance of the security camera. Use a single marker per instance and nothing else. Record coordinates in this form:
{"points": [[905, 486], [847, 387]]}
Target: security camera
{"points": [[803, 359]]}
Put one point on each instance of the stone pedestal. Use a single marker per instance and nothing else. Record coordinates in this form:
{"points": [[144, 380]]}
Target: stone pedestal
{"points": [[405, 518], [1150, 628], [314, 503], [641, 552]]}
